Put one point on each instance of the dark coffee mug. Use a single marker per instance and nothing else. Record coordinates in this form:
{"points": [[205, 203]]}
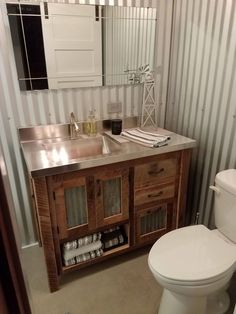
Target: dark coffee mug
{"points": [[116, 126]]}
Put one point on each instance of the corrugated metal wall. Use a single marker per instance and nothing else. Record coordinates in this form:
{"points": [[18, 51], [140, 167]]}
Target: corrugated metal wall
{"points": [[44, 107], [202, 90]]}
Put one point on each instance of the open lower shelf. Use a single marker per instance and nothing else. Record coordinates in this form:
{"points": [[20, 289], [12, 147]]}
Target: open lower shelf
{"points": [[115, 251], [109, 247]]}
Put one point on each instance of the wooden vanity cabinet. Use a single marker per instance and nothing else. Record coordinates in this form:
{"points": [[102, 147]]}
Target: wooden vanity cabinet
{"points": [[145, 196]]}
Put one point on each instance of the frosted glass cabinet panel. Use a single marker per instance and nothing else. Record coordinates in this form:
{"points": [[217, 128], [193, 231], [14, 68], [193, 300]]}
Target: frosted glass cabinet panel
{"points": [[153, 221], [76, 206], [112, 197]]}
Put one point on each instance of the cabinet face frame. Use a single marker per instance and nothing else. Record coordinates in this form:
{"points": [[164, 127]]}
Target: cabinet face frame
{"points": [[99, 178]]}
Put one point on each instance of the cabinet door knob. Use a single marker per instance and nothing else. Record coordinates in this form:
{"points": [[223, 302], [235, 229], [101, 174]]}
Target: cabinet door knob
{"points": [[155, 172], [155, 194]]}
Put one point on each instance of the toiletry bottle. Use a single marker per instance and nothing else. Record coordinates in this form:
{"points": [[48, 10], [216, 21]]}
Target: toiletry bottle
{"points": [[92, 127]]}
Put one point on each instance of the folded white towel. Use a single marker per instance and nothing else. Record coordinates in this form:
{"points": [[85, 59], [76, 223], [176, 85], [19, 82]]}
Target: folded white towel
{"points": [[145, 138], [82, 250]]}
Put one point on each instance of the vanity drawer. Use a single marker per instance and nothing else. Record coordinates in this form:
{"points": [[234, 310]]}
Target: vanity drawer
{"points": [[154, 193], [160, 170]]}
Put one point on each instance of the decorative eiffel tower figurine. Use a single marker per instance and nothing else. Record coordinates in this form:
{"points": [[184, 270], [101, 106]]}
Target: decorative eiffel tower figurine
{"points": [[149, 104]]}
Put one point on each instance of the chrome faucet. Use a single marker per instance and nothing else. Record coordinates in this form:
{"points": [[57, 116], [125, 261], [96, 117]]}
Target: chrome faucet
{"points": [[74, 127]]}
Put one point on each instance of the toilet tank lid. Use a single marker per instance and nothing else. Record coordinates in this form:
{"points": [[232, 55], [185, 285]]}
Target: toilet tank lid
{"points": [[227, 180]]}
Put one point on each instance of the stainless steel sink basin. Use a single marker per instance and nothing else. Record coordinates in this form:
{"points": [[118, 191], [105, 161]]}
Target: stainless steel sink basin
{"points": [[64, 151]]}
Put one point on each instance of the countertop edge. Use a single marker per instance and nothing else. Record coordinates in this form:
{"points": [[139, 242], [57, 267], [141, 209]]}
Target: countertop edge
{"points": [[110, 159]]}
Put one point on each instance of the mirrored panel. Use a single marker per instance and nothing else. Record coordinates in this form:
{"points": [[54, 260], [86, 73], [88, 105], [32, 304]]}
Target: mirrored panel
{"points": [[71, 45]]}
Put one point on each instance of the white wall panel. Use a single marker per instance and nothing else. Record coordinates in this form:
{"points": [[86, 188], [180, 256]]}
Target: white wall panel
{"points": [[53, 106], [202, 91]]}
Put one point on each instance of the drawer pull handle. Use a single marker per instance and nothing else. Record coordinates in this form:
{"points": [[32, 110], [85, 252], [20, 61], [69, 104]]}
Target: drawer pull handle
{"points": [[155, 172], [155, 195]]}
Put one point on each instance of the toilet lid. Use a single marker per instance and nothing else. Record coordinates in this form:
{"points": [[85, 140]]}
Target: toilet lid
{"points": [[191, 254]]}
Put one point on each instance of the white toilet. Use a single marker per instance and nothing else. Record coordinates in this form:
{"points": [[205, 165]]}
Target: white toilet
{"points": [[194, 264]]}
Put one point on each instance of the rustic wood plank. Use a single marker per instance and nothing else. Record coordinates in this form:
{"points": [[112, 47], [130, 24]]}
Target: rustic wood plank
{"points": [[109, 174], [42, 202], [53, 211], [61, 216], [158, 171], [35, 211], [131, 206], [183, 187], [154, 193]]}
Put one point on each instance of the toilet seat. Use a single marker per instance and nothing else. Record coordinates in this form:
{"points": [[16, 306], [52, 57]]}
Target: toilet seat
{"points": [[192, 256], [204, 282]]}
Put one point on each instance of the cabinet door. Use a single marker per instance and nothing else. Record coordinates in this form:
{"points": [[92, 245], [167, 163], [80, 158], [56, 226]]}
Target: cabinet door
{"points": [[112, 196], [153, 222], [74, 207], [73, 45]]}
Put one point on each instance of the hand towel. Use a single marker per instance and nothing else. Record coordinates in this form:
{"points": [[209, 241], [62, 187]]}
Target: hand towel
{"points": [[82, 250], [81, 241], [87, 256], [69, 262], [70, 245], [145, 138]]}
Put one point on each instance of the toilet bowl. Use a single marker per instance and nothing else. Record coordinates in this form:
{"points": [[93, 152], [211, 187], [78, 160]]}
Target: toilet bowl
{"points": [[194, 266]]}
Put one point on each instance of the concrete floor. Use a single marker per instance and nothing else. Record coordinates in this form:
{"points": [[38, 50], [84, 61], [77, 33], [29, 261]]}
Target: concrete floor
{"points": [[121, 285]]}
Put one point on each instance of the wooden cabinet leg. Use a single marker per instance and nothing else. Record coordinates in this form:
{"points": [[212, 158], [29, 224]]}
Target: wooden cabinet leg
{"points": [[42, 202], [183, 186]]}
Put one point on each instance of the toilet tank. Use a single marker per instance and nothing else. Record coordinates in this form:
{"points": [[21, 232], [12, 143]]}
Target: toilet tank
{"points": [[225, 203]]}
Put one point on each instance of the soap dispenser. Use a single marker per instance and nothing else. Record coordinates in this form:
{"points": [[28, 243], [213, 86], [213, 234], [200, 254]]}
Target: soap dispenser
{"points": [[91, 123]]}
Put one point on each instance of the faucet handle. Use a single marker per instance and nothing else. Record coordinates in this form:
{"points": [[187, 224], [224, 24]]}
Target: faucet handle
{"points": [[72, 117], [74, 127]]}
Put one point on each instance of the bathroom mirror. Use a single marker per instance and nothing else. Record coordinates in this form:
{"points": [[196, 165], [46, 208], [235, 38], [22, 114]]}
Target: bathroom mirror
{"points": [[72, 45]]}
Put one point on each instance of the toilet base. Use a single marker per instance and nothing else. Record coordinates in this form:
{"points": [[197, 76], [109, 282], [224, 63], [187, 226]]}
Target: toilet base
{"points": [[218, 303], [174, 303]]}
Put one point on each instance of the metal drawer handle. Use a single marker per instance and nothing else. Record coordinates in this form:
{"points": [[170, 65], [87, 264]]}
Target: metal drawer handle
{"points": [[155, 195], [148, 212], [155, 172]]}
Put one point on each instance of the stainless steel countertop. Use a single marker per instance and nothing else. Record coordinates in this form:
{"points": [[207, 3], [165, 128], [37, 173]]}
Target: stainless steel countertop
{"points": [[42, 159]]}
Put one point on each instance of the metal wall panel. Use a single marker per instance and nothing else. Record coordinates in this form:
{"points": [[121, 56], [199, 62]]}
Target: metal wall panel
{"points": [[53, 106], [202, 92]]}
